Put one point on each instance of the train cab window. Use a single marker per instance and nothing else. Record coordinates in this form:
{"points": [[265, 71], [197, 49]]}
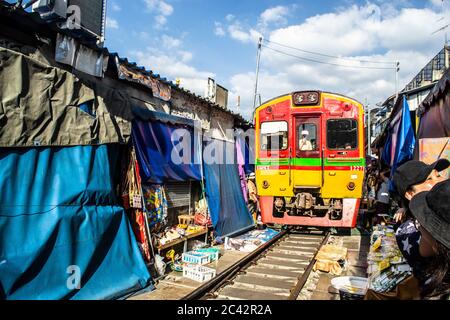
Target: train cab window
{"points": [[342, 134], [307, 137], [274, 135]]}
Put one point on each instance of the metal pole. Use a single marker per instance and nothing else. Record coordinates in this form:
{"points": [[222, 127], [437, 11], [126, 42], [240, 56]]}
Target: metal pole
{"points": [[369, 149], [397, 69], [258, 58]]}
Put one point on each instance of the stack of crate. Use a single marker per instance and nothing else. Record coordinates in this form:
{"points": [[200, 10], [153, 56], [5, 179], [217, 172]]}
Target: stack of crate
{"points": [[195, 261]]}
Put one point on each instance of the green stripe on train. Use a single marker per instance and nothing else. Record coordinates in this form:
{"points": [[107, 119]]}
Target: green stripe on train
{"points": [[310, 162]]}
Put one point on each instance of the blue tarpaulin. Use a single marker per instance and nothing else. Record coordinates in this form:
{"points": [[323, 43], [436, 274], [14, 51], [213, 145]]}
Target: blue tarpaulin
{"points": [[166, 151], [399, 146], [229, 212], [60, 221]]}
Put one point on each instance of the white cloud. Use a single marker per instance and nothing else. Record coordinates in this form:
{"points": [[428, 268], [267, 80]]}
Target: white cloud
{"points": [[364, 32], [436, 3], [174, 65], [229, 17], [185, 56], [112, 23], [160, 21], [169, 42], [165, 9], [144, 35], [218, 29], [116, 7], [238, 33], [162, 10], [274, 15]]}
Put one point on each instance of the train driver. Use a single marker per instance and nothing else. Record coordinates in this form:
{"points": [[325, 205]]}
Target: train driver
{"points": [[304, 143]]}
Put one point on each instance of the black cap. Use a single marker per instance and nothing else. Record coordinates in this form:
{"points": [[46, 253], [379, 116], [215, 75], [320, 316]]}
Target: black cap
{"points": [[415, 172], [432, 210]]}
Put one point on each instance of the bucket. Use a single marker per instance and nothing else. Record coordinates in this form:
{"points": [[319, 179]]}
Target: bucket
{"points": [[350, 288]]}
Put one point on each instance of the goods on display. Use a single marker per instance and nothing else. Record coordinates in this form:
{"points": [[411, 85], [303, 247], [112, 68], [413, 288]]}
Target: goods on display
{"points": [[250, 241], [387, 267], [331, 258]]}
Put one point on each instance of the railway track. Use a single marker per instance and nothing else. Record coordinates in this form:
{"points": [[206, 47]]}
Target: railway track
{"points": [[276, 271]]}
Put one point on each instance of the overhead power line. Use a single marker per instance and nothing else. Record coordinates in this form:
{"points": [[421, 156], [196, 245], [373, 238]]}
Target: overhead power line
{"points": [[328, 63], [330, 56]]}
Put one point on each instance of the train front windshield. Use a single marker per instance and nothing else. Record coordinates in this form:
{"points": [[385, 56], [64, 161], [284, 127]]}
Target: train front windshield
{"points": [[274, 135]]}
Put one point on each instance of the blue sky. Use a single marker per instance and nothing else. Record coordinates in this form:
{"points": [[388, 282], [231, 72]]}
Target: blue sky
{"points": [[195, 39]]}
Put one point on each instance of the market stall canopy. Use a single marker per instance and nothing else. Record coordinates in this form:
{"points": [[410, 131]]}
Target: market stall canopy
{"points": [[434, 111], [400, 142], [229, 212], [434, 127], [42, 105], [167, 147], [60, 221]]}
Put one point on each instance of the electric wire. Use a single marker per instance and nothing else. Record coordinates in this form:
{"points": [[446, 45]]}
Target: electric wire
{"points": [[325, 62], [330, 56]]}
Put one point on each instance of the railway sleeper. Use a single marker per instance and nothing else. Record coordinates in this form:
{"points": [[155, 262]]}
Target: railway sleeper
{"points": [[294, 253], [301, 244], [231, 293], [261, 288], [302, 237], [277, 264], [272, 273], [287, 257]]}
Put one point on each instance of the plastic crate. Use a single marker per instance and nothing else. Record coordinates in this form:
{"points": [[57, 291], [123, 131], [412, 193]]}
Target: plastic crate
{"points": [[198, 273], [212, 252], [350, 288], [193, 257]]}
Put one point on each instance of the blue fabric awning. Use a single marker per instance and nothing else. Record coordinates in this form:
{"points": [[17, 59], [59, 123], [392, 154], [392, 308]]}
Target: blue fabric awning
{"points": [[166, 151], [59, 214], [229, 212]]}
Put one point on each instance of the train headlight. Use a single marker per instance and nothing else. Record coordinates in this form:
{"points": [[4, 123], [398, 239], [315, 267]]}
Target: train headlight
{"points": [[265, 184], [306, 98], [351, 186]]}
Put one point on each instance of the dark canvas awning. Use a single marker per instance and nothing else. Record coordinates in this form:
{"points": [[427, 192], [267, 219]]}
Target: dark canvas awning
{"points": [[158, 142]]}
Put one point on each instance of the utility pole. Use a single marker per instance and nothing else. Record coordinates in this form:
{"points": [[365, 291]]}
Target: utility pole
{"points": [[369, 132], [397, 69], [258, 58], [238, 103]]}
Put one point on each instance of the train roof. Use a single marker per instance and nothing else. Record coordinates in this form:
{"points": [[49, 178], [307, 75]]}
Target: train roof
{"points": [[286, 94]]}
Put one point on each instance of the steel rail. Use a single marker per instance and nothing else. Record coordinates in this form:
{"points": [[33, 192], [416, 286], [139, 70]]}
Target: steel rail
{"points": [[305, 275], [227, 274]]}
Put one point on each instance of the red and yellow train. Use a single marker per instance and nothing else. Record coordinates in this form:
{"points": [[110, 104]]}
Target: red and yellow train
{"points": [[310, 159]]}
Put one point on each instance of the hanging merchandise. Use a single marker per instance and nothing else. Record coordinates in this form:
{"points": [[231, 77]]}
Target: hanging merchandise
{"points": [[137, 216], [131, 194], [202, 217], [156, 204]]}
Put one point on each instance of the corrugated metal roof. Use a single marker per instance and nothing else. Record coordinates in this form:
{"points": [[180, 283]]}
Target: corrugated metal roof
{"points": [[143, 70], [34, 23]]}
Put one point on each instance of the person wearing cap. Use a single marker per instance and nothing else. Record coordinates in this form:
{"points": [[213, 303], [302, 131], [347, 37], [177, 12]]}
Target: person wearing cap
{"points": [[432, 211], [410, 179], [415, 176], [304, 143]]}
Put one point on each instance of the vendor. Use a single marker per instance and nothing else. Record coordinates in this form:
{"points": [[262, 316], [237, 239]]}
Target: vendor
{"points": [[253, 202], [410, 179], [432, 211]]}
